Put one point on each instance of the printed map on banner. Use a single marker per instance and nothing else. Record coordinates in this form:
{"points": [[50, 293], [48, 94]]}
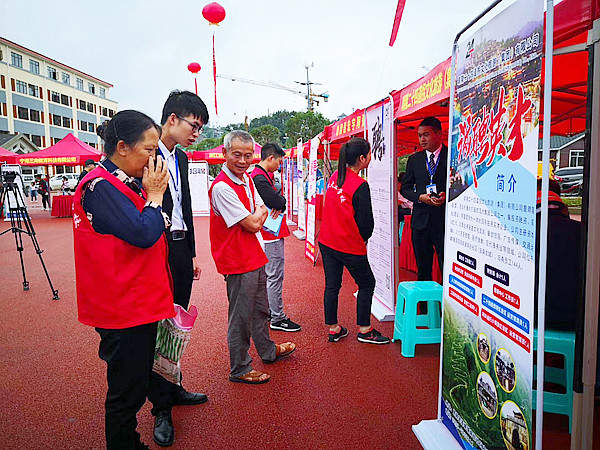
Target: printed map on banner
{"points": [[487, 361]]}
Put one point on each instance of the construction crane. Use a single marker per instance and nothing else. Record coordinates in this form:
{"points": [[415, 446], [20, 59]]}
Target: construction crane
{"points": [[310, 96]]}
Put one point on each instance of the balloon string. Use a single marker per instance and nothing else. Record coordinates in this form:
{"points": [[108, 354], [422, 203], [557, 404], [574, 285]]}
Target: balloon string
{"points": [[196, 84], [215, 74]]}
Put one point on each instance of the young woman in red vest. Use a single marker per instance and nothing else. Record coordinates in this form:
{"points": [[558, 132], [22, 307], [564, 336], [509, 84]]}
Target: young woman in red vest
{"points": [[123, 282], [346, 226]]}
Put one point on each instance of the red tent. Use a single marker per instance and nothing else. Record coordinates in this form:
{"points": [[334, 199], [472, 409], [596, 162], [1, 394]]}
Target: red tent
{"points": [[7, 156], [69, 151], [215, 155]]}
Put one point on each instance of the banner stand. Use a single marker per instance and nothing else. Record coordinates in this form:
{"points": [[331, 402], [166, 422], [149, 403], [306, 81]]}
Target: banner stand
{"points": [[434, 435]]}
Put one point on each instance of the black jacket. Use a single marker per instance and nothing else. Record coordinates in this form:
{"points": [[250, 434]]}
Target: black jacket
{"points": [[414, 183], [186, 200], [266, 189]]}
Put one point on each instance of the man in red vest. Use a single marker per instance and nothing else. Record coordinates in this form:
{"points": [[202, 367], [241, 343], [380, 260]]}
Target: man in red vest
{"points": [[237, 213], [270, 159]]}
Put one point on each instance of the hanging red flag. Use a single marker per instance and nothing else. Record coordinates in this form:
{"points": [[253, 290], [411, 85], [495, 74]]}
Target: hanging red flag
{"points": [[399, 11]]}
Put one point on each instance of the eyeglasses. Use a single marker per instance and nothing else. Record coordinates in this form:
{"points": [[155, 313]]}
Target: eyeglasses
{"points": [[195, 127]]}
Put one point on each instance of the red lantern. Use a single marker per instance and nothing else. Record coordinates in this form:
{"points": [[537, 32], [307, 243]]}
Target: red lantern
{"points": [[194, 67], [214, 13]]}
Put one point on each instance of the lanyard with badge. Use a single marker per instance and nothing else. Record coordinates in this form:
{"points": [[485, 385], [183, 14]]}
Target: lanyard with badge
{"points": [[431, 188], [175, 178]]}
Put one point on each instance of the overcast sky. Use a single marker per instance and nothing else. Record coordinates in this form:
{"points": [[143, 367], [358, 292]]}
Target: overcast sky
{"points": [[143, 48]]}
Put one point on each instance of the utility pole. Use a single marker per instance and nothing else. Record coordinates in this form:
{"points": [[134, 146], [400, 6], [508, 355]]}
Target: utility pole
{"points": [[309, 96]]}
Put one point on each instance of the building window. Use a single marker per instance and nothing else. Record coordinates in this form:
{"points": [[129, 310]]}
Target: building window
{"points": [[104, 111], [34, 66], [59, 169], [56, 120], [91, 127], [102, 92], [111, 113], [81, 104], [64, 99], [55, 97], [23, 113], [66, 122], [91, 88], [34, 91], [90, 107], [52, 73], [91, 144], [34, 115], [16, 59], [83, 125], [80, 84], [37, 140], [66, 78], [21, 87], [576, 158]]}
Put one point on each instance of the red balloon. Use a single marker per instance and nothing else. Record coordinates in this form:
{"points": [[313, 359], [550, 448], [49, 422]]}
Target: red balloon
{"points": [[214, 13], [194, 67]]}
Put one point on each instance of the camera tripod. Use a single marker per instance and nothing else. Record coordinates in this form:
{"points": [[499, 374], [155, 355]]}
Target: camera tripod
{"points": [[19, 218]]}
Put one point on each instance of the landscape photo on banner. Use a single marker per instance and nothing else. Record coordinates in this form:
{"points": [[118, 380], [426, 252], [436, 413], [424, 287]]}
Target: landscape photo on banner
{"points": [[489, 266]]}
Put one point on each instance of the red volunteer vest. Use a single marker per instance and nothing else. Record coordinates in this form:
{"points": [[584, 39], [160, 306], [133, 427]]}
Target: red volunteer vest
{"points": [[119, 285], [234, 249], [338, 227], [284, 231]]}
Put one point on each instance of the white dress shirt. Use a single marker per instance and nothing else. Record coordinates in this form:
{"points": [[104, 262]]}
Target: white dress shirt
{"points": [[175, 187]]}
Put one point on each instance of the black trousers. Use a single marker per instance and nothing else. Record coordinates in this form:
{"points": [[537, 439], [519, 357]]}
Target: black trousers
{"points": [[129, 355], [424, 241], [182, 272], [360, 269], [45, 200]]}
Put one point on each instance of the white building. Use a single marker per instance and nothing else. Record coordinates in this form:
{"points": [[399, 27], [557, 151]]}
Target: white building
{"points": [[46, 100]]}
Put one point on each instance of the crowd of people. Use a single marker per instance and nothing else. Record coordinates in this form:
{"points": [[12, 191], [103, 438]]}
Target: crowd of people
{"points": [[133, 217]]}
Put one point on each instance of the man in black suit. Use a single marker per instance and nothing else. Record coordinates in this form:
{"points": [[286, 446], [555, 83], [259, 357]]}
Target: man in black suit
{"points": [[183, 116], [425, 185]]}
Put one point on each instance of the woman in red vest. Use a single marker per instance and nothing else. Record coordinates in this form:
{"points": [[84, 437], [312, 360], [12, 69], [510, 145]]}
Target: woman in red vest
{"points": [[123, 282], [346, 226]]}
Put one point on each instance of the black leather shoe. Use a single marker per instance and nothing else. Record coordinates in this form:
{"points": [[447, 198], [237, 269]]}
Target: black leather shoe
{"points": [[164, 434], [183, 397]]}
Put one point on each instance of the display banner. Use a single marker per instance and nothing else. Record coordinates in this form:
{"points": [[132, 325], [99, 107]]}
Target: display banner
{"points": [[489, 265], [382, 183], [301, 204], [288, 181], [309, 247], [198, 179]]}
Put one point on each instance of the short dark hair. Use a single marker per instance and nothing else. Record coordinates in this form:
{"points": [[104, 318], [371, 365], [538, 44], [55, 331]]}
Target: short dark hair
{"points": [[431, 121], [271, 148], [127, 126], [182, 104], [553, 186]]}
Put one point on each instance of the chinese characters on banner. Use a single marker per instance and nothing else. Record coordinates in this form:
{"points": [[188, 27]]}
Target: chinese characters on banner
{"points": [[487, 356], [380, 174], [198, 178], [301, 204], [309, 248]]}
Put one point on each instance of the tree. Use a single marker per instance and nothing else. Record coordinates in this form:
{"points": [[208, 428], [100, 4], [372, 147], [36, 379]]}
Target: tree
{"points": [[305, 126], [206, 144], [266, 133], [277, 119]]}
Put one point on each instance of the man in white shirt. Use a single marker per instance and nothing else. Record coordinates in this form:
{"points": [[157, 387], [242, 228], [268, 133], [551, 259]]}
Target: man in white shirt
{"points": [[183, 116]]}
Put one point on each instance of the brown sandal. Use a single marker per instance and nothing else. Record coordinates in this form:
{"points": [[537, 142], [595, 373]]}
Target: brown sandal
{"points": [[252, 377], [281, 351]]}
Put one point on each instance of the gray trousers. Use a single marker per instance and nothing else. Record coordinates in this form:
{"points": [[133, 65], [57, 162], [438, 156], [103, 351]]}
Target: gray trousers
{"points": [[248, 318], [276, 253]]}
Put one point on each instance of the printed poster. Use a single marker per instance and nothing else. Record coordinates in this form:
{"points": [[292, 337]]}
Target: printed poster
{"points": [[381, 177], [198, 179], [487, 362], [309, 247]]}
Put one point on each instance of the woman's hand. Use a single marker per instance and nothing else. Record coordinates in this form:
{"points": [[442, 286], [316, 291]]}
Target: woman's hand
{"points": [[155, 180]]}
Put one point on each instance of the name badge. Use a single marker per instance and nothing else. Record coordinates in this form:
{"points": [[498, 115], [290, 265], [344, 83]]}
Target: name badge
{"points": [[431, 189]]}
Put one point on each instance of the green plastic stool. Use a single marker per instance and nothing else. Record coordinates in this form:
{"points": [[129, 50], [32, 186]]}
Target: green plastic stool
{"points": [[561, 343], [407, 320]]}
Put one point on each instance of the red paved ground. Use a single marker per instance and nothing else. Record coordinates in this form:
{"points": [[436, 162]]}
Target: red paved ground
{"points": [[335, 396]]}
